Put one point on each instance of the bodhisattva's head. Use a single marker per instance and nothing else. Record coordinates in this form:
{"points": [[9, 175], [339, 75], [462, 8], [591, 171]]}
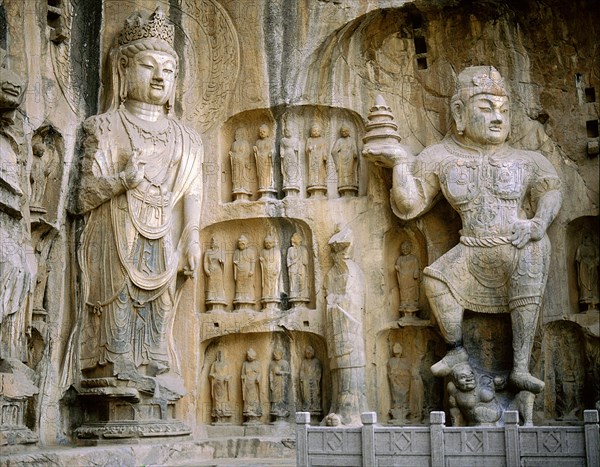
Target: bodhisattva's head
{"points": [[309, 352], [145, 62], [481, 107], [12, 87], [251, 355]]}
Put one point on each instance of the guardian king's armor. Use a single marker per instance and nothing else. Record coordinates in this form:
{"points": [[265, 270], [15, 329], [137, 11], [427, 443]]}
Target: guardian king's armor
{"points": [[485, 272]]}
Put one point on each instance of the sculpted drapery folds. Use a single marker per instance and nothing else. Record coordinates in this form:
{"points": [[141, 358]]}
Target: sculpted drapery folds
{"points": [[310, 382], [141, 168], [297, 263], [17, 271], [501, 263], [345, 156]]}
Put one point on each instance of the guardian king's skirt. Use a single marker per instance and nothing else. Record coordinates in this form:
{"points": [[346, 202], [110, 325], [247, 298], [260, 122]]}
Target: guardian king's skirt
{"points": [[490, 275]]}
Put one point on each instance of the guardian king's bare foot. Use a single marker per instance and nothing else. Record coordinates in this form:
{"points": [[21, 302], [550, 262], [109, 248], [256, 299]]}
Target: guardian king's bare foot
{"points": [[452, 358], [526, 382]]}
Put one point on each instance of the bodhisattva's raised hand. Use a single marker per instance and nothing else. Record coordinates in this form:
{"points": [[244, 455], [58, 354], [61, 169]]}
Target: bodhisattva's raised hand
{"points": [[134, 171]]}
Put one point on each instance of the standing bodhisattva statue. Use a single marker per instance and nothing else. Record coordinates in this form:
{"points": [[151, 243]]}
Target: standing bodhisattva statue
{"points": [[501, 263], [140, 166]]}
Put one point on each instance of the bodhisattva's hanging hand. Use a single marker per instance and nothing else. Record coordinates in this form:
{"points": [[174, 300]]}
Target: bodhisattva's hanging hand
{"points": [[193, 259]]}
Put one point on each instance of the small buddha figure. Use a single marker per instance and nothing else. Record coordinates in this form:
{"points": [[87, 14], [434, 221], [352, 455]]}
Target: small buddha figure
{"points": [[244, 264], [270, 266], [588, 259], [40, 170], [220, 377], [263, 154], [251, 386], [310, 382], [279, 386], [408, 272], [297, 263], [290, 163], [240, 155], [345, 157], [214, 261], [316, 151], [399, 376]]}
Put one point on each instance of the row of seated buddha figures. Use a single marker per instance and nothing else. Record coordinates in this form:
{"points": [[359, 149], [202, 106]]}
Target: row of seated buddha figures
{"points": [[257, 380], [299, 168], [246, 263]]}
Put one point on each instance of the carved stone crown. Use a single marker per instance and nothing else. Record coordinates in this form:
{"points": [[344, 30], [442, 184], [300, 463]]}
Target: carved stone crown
{"points": [[156, 26], [480, 80]]}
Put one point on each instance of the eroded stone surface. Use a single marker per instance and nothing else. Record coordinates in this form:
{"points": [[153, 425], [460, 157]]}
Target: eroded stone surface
{"points": [[309, 74]]}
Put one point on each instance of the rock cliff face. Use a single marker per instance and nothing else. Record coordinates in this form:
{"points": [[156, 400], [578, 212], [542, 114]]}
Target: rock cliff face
{"points": [[277, 93]]}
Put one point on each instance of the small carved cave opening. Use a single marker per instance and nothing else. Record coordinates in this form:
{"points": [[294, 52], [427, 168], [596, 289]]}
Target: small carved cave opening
{"points": [[54, 18], [3, 28], [591, 127], [420, 45], [419, 41], [590, 94]]}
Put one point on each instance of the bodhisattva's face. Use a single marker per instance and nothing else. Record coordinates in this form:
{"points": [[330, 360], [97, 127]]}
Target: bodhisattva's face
{"points": [[315, 131], [151, 77], [345, 132], [269, 244], [12, 88], [242, 244], [487, 119]]}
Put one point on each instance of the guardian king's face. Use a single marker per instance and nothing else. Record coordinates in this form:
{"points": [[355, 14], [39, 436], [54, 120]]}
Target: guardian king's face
{"points": [[151, 77], [487, 119]]}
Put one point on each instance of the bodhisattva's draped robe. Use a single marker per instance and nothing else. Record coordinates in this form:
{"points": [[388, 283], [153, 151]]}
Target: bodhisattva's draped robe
{"points": [[128, 256]]}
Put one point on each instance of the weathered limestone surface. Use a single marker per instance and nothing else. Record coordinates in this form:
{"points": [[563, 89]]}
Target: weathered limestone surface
{"points": [[278, 94]]}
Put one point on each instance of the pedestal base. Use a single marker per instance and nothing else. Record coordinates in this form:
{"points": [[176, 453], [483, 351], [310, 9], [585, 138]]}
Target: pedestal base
{"points": [[216, 305], [291, 192], [12, 429], [348, 191], [317, 192], [115, 410], [241, 196], [267, 194], [270, 304]]}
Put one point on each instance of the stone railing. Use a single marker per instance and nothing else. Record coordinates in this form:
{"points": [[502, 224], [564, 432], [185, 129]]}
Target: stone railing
{"points": [[438, 445]]}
